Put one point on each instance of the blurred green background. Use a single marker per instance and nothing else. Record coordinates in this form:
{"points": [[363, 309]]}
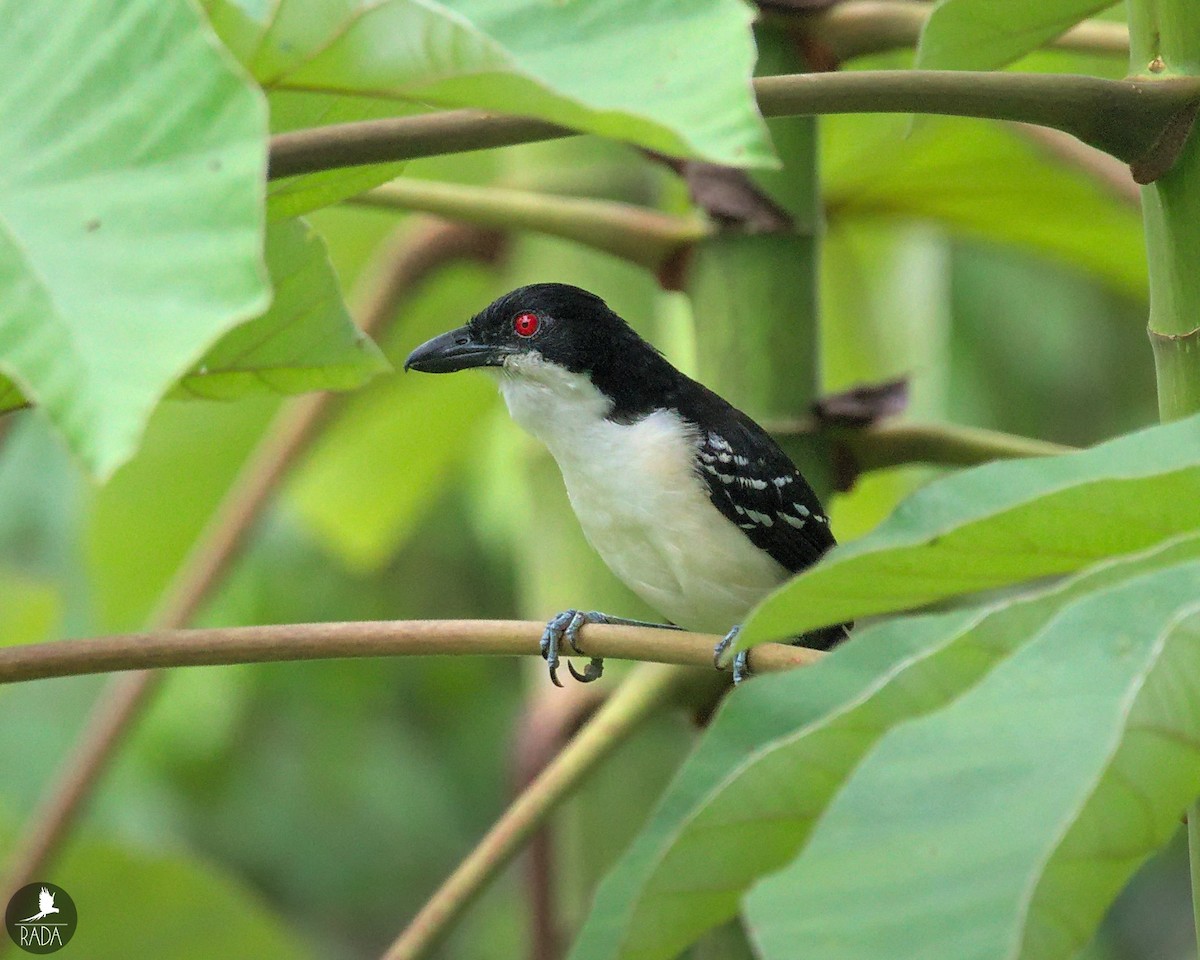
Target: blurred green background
{"points": [[308, 809]]}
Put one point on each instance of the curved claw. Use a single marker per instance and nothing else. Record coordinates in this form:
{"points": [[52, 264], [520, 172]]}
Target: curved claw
{"points": [[720, 649], [593, 671]]}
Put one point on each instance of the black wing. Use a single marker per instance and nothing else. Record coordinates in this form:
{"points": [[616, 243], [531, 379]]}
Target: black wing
{"points": [[756, 485]]}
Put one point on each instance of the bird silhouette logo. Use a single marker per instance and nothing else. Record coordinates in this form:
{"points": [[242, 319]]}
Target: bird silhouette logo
{"points": [[41, 917], [45, 907]]}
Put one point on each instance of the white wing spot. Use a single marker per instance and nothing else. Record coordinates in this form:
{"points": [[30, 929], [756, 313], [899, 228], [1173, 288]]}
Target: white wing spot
{"points": [[758, 484], [781, 482], [741, 461], [760, 518], [793, 521], [801, 509], [718, 443]]}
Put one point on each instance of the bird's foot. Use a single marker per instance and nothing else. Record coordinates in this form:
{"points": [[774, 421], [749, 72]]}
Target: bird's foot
{"points": [[566, 626], [741, 662]]}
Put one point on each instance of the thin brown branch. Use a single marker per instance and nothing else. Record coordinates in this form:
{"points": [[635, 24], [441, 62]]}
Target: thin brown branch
{"points": [[892, 444], [642, 694], [649, 238], [549, 720], [215, 646], [121, 704], [1141, 122]]}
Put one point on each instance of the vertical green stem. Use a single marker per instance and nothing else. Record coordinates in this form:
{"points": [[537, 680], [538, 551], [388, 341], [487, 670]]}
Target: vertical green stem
{"points": [[1164, 41], [1193, 815], [754, 295]]}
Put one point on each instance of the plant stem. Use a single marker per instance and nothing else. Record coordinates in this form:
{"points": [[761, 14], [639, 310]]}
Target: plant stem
{"points": [[273, 643], [858, 27], [1193, 835], [642, 236], [882, 445], [642, 694], [770, 368], [1126, 118], [1164, 43], [1165, 48], [121, 704]]}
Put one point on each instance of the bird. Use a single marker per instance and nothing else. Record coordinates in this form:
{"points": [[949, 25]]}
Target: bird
{"points": [[687, 500], [45, 906]]}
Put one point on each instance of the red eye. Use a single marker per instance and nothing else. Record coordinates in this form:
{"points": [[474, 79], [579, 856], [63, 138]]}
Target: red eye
{"points": [[526, 324]]}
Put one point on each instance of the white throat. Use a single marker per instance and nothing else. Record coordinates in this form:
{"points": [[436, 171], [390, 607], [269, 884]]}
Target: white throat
{"points": [[562, 409]]}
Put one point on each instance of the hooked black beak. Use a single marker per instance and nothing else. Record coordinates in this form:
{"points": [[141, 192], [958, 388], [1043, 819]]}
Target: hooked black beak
{"points": [[454, 350]]}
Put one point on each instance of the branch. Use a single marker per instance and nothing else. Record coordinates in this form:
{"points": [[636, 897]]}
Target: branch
{"points": [[550, 719], [121, 703], [891, 444], [642, 694], [858, 27], [1139, 122], [218, 646], [645, 237]]}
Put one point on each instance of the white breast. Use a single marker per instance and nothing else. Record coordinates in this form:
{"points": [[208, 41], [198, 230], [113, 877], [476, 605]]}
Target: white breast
{"points": [[640, 502]]}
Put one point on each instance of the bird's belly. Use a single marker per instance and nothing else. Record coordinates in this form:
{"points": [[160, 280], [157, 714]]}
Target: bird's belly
{"points": [[671, 546]]}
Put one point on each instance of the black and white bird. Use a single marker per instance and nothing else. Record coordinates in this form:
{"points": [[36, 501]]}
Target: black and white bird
{"points": [[686, 499]]}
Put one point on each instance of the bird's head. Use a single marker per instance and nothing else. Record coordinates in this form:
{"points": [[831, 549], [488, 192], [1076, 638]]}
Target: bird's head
{"points": [[544, 325]]}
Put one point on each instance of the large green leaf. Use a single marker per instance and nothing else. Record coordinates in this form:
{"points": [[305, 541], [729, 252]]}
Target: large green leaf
{"points": [[1003, 825], [982, 34], [670, 75], [306, 341], [999, 524], [983, 181], [783, 745], [131, 164]]}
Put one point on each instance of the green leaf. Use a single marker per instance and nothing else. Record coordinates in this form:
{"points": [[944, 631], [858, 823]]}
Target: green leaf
{"points": [[983, 35], [782, 746], [305, 341], [131, 216], [673, 75], [1004, 824], [982, 181], [999, 524]]}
